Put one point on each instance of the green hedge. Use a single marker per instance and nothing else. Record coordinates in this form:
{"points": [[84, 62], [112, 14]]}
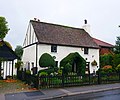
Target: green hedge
{"points": [[69, 61], [46, 60]]}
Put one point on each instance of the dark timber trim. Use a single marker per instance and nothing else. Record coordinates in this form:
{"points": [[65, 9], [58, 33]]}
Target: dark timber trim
{"points": [[12, 68], [36, 53], [30, 45], [69, 45]]}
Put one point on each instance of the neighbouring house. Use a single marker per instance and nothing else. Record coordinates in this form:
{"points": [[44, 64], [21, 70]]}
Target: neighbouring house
{"points": [[105, 48], [7, 57], [59, 41]]}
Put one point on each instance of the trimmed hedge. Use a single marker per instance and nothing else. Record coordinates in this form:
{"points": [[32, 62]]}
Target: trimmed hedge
{"points": [[46, 60], [71, 59]]}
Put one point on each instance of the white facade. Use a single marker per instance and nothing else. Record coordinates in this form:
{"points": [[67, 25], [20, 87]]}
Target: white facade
{"points": [[33, 51], [63, 51], [7, 69], [29, 55]]}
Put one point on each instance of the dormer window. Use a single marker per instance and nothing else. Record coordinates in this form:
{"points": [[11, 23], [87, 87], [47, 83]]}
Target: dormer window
{"points": [[86, 50], [53, 48]]}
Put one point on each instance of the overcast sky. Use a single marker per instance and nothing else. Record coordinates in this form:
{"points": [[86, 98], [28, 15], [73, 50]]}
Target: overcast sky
{"points": [[102, 15]]}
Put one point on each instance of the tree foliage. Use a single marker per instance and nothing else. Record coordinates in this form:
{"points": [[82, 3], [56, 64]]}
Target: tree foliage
{"points": [[7, 43], [18, 64], [3, 27], [106, 60], [118, 68], [117, 46], [116, 60], [19, 51], [70, 60]]}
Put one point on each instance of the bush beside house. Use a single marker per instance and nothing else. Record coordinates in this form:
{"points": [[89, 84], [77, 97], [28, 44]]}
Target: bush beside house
{"points": [[47, 61], [72, 60]]}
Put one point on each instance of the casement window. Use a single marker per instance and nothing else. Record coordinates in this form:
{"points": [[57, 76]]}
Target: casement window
{"points": [[53, 48], [86, 50]]}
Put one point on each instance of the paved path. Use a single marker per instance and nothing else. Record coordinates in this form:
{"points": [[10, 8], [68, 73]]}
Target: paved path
{"points": [[45, 94]]}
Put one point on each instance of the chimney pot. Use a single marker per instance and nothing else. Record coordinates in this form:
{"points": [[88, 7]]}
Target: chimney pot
{"points": [[35, 19], [85, 21]]}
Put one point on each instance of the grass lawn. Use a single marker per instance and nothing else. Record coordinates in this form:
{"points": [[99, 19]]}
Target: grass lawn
{"points": [[13, 86]]}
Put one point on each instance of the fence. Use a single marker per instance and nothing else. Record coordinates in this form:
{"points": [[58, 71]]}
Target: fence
{"points": [[110, 77], [67, 80], [28, 78]]}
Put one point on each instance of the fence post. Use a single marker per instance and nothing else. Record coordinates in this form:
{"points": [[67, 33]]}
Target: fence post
{"points": [[25, 74], [62, 79], [38, 81], [119, 75], [99, 81], [89, 76], [22, 73]]}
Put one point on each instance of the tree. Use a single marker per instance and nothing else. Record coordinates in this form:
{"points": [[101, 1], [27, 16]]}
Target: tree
{"points": [[106, 60], [117, 46], [19, 51], [18, 64], [8, 44], [118, 68], [116, 60], [3, 27]]}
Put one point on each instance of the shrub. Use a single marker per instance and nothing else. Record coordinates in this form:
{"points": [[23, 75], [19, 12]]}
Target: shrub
{"points": [[116, 60], [46, 60], [28, 71], [18, 64], [106, 60], [67, 68], [118, 68], [59, 72], [43, 74], [107, 69], [48, 71], [74, 58]]}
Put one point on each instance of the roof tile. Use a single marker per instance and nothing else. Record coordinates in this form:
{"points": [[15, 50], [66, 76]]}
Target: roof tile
{"points": [[62, 35]]}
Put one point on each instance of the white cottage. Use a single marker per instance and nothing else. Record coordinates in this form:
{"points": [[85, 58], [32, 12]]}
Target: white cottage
{"points": [[58, 41]]}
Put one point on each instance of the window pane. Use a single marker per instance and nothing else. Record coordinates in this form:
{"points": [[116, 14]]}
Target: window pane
{"points": [[53, 48], [86, 50]]}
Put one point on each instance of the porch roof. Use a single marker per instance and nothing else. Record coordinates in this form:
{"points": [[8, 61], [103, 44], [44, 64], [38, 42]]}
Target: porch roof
{"points": [[6, 52]]}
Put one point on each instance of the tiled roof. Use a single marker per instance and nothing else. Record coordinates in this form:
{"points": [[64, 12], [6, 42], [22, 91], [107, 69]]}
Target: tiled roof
{"points": [[6, 52], [62, 35], [102, 43]]}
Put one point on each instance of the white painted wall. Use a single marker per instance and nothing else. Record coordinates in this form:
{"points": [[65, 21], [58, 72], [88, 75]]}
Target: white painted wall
{"points": [[29, 53], [7, 69], [63, 51], [29, 56]]}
